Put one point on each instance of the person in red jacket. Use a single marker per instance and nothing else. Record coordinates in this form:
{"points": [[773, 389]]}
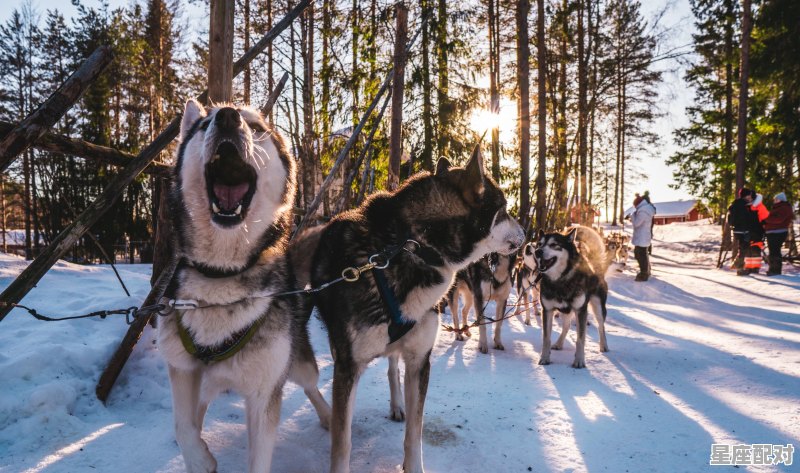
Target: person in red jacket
{"points": [[776, 227], [752, 260]]}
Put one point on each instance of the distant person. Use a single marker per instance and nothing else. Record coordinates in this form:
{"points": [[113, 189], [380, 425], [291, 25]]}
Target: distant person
{"points": [[752, 259], [642, 220], [776, 226], [741, 219]]}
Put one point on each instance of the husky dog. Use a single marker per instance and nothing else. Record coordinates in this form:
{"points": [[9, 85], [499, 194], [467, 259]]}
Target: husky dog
{"points": [[570, 282], [231, 208], [438, 223], [527, 284], [617, 248], [488, 279]]}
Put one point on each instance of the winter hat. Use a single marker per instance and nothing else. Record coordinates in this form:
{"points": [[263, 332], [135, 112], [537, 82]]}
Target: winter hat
{"points": [[744, 191], [637, 200], [781, 197], [646, 197]]}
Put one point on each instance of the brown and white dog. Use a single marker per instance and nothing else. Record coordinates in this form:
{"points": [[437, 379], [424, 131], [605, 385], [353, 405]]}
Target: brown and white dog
{"points": [[231, 208], [488, 279]]}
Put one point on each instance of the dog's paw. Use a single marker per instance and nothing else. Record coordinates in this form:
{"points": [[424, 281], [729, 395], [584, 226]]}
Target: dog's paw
{"points": [[499, 346], [484, 348], [604, 349], [556, 346], [459, 337], [325, 420], [397, 414], [200, 461], [578, 364], [527, 320], [544, 361]]}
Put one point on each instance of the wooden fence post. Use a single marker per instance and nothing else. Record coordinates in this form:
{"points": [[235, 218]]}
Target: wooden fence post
{"points": [[220, 51]]}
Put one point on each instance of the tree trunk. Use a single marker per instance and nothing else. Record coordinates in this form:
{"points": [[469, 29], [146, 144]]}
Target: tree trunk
{"points": [[442, 92], [398, 83], [427, 119], [582, 201], [741, 140], [541, 177], [523, 80], [494, 83]]}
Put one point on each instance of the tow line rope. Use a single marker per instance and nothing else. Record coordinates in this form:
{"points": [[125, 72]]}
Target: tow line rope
{"points": [[350, 274]]}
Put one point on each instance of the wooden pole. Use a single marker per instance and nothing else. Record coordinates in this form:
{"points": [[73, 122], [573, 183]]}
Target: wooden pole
{"points": [[273, 96], [47, 114], [349, 181], [220, 51], [398, 83], [83, 149], [122, 354], [70, 235]]}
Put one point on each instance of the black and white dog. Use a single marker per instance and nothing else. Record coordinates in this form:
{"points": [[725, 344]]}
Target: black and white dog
{"points": [[433, 226], [488, 279], [570, 282], [231, 207], [527, 282]]}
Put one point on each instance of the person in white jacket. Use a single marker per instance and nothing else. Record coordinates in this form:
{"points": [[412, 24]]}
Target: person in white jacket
{"points": [[642, 220]]}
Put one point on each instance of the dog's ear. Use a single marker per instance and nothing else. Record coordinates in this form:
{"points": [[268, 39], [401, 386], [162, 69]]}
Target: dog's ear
{"points": [[571, 234], [193, 112], [473, 179], [539, 234], [442, 166]]}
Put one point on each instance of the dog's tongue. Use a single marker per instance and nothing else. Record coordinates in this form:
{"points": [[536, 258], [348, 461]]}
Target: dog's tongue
{"points": [[229, 197]]}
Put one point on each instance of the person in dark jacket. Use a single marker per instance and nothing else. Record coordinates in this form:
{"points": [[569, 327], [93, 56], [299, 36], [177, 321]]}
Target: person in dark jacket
{"points": [[776, 227], [742, 219]]}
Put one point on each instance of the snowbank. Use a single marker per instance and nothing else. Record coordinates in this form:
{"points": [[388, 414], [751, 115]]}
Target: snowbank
{"points": [[698, 356]]}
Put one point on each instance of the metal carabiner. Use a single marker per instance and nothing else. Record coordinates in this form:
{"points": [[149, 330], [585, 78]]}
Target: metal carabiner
{"points": [[373, 261], [351, 274]]}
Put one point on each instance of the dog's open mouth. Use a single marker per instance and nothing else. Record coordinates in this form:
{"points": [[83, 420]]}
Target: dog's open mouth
{"points": [[545, 264], [230, 183]]}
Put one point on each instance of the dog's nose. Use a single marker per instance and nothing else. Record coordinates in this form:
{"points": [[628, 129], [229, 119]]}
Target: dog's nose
{"points": [[228, 119]]}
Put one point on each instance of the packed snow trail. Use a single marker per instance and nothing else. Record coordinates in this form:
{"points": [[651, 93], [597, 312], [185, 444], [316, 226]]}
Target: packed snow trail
{"points": [[698, 356]]}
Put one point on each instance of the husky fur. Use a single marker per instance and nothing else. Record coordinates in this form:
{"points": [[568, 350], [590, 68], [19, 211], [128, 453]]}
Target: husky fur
{"points": [[527, 286], [457, 215], [570, 282], [591, 245], [488, 279], [231, 208]]}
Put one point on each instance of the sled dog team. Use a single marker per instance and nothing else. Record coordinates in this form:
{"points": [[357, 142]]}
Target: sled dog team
{"points": [[244, 293]]}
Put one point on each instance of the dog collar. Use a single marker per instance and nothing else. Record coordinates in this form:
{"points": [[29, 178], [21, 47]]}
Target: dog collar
{"points": [[273, 234]]}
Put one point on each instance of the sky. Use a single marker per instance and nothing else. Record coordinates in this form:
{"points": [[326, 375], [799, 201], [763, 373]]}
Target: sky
{"points": [[675, 95]]}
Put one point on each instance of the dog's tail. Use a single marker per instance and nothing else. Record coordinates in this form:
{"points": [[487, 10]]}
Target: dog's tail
{"points": [[595, 249]]}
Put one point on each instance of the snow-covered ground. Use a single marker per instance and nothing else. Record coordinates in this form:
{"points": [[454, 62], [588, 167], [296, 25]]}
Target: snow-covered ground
{"points": [[698, 356]]}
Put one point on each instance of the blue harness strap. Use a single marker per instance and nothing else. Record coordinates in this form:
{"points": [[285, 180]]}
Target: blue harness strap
{"points": [[398, 325]]}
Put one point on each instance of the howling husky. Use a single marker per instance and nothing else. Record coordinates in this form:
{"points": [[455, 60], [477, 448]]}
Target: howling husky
{"points": [[421, 235], [231, 207]]}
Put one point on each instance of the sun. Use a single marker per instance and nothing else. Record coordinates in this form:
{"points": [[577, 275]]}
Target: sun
{"points": [[482, 120]]}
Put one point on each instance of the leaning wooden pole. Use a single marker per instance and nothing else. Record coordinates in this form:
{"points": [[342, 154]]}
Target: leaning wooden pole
{"points": [[83, 149], [67, 238], [43, 118], [111, 373]]}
